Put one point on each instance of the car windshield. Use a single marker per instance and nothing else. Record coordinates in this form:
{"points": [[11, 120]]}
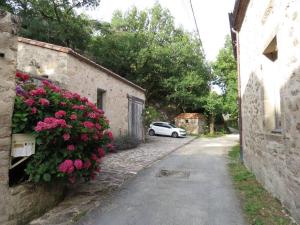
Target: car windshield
{"points": [[172, 125]]}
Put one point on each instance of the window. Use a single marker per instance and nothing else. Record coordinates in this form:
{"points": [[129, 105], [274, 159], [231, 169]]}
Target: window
{"points": [[100, 98], [272, 88], [186, 121], [271, 51]]}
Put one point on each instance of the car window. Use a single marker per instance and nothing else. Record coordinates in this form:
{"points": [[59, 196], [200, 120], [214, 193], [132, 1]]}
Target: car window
{"points": [[166, 126], [172, 125], [157, 124]]}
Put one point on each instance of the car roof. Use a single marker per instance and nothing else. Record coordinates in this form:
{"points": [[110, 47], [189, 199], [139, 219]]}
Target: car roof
{"points": [[160, 122]]}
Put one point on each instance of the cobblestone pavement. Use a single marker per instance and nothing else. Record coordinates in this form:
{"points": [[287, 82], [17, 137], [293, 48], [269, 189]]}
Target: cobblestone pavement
{"points": [[116, 169]]}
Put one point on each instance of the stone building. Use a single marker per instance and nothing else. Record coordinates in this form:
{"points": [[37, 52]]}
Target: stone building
{"points": [[266, 35], [193, 123], [122, 100]]}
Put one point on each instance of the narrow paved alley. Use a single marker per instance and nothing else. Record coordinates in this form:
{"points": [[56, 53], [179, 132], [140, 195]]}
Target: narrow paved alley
{"points": [[191, 186]]}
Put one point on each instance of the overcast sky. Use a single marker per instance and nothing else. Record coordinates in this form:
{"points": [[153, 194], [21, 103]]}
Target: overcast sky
{"points": [[211, 15]]}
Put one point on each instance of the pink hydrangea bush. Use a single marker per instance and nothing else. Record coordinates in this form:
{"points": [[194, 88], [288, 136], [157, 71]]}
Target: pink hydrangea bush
{"points": [[71, 132]]}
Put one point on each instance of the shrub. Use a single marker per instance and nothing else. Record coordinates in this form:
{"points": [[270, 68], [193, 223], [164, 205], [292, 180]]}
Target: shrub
{"points": [[126, 142], [71, 133], [150, 114]]}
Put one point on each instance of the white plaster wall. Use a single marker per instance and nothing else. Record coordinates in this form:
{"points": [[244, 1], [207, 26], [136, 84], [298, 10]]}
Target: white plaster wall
{"points": [[274, 158]]}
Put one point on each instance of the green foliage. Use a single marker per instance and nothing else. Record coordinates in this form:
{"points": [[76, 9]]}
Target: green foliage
{"points": [[54, 21], [150, 114], [126, 142], [225, 75], [71, 133], [213, 104], [146, 48]]}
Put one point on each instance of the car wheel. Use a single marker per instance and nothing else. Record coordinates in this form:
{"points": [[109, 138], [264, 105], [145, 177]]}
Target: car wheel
{"points": [[151, 132], [174, 134]]}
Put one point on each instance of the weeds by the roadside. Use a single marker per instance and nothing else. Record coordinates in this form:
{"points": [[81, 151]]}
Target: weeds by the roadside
{"points": [[215, 135], [259, 207]]}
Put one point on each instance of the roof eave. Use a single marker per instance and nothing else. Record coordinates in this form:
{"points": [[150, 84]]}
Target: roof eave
{"points": [[239, 12], [79, 57]]}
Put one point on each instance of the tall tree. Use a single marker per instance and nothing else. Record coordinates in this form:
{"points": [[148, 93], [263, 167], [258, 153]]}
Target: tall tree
{"points": [[213, 106], [146, 47], [225, 71], [54, 21]]}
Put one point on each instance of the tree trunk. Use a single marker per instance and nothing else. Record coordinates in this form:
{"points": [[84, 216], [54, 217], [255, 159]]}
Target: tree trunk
{"points": [[212, 124]]}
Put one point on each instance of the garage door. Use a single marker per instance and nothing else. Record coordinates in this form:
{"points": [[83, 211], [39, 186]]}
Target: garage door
{"points": [[135, 119]]}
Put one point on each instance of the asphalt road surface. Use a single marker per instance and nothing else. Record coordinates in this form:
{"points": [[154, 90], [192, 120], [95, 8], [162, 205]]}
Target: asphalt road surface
{"points": [[191, 186]]}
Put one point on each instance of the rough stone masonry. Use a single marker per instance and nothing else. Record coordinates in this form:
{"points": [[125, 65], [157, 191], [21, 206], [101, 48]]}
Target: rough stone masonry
{"points": [[269, 47], [8, 57]]}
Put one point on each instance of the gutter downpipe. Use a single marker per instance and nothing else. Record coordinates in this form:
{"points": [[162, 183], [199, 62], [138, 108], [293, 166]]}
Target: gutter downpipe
{"points": [[239, 93]]}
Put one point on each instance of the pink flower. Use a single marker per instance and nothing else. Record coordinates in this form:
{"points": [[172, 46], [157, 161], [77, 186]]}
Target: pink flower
{"points": [[110, 146], [95, 137], [29, 101], [38, 91], [84, 99], [98, 126], [50, 123], [69, 162], [92, 115], [71, 147], [46, 83], [60, 114], [88, 124], [77, 96], [73, 117], [110, 135], [84, 137], [33, 110], [44, 102], [70, 169], [68, 95], [101, 152], [94, 157], [55, 89], [87, 164], [63, 103], [66, 136], [22, 76], [78, 164], [64, 167], [80, 107]]}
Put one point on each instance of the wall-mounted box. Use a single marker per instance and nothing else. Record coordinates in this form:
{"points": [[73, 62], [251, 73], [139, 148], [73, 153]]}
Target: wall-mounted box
{"points": [[23, 145]]}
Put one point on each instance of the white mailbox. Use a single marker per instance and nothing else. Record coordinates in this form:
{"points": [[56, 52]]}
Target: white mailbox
{"points": [[23, 145]]}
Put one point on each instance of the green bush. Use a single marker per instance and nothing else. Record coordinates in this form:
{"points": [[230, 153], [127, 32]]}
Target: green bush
{"points": [[126, 142], [71, 133], [150, 114]]}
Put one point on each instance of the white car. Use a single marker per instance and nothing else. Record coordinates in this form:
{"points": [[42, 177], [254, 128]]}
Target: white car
{"points": [[164, 128]]}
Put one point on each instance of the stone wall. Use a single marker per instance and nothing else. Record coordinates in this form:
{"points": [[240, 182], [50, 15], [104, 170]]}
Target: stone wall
{"points": [[272, 154], [8, 51], [192, 126], [81, 77]]}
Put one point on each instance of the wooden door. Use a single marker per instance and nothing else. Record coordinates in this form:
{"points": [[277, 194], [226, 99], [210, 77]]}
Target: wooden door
{"points": [[135, 119]]}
